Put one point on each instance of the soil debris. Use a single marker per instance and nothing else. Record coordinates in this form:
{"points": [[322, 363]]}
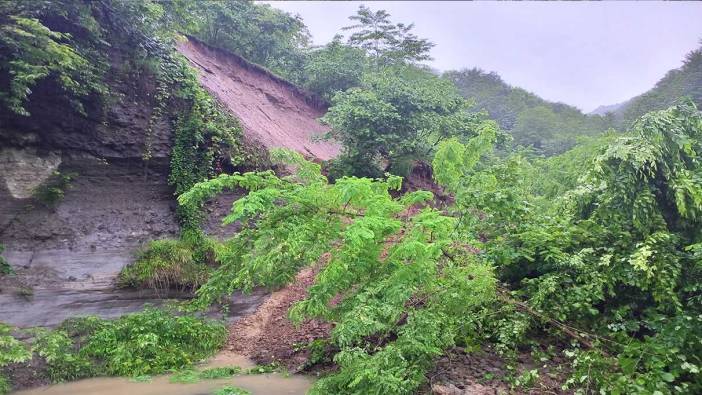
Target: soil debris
{"points": [[268, 336]]}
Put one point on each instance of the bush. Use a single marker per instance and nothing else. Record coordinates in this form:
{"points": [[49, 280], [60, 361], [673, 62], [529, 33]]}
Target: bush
{"points": [[153, 341], [5, 267], [11, 351], [63, 360], [165, 264], [138, 344], [231, 390], [52, 192]]}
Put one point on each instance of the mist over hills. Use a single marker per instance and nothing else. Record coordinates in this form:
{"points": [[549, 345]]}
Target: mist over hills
{"points": [[551, 127]]}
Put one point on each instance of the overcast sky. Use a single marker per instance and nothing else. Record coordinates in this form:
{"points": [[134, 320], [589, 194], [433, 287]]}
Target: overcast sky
{"points": [[583, 53]]}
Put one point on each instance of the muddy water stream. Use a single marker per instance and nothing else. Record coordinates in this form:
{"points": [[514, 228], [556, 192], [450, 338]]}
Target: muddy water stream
{"points": [[266, 384]]}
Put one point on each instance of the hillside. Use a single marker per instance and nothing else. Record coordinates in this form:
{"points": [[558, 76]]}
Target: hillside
{"points": [[271, 110], [604, 109], [106, 200], [684, 81], [548, 127], [168, 214]]}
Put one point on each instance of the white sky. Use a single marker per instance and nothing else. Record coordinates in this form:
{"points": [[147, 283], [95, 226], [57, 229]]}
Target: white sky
{"points": [[581, 53]]}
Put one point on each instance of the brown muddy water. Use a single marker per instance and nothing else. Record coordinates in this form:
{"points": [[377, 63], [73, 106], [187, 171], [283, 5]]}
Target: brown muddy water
{"points": [[265, 384]]}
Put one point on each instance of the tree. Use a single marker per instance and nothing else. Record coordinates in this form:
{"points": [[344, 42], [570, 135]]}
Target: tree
{"points": [[535, 127], [259, 33], [396, 114], [385, 42], [333, 68]]}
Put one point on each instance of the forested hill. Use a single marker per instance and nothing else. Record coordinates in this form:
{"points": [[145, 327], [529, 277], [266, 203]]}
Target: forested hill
{"points": [[684, 81], [548, 127]]}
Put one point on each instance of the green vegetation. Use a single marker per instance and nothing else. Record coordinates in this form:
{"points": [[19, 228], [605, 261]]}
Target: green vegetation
{"points": [[685, 81], [11, 351], [51, 192], [571, 234], [410, 280], [231, 390], [29, 52], [219, 373], [258, 32], [605, 258], [5, 267], [385, 42], [138, 344], [190, 376], [396, 116], [165, 264], [548, 128]]}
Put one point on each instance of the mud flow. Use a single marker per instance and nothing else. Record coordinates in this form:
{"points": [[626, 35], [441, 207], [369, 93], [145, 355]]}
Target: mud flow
{"points": [[266, 384]]}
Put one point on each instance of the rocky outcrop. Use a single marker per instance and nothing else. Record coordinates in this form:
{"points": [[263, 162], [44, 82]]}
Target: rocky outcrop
{"points": [[66, 253]]}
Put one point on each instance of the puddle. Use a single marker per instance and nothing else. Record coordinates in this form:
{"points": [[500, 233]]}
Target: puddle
{"points": [[266, 384]]}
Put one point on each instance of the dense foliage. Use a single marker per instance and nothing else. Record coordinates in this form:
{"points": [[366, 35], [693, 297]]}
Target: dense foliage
{"points": [[165, 264], [615, 257], [395, 117], [258, 32], [11, 351], [549, 128], [608, 258], [402, 277], [149, 342]]}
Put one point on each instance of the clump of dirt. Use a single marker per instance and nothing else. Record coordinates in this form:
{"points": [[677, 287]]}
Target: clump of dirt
{"points": [[271, 110], [484, 372], [421, 177], [268, 336]]}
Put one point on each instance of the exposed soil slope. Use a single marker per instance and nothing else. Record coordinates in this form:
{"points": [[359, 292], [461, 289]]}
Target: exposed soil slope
{"points": [[267, 335], [271, 110]]}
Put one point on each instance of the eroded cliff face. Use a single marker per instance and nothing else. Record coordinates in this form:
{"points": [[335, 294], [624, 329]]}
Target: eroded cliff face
{"points": [[271, 110], [69, 252], [66, 255]]}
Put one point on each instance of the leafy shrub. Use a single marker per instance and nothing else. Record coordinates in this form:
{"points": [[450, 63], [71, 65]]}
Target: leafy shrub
{"points": [[5, 386], [54, 189], [138, 344], [11, 351], [231, 390], [152, 342], [165, 264], [5, 267], [63, 360], [221, 372]]}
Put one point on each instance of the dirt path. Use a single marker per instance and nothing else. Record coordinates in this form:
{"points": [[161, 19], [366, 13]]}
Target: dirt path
{"points": [[267, 335], [272, 111]]}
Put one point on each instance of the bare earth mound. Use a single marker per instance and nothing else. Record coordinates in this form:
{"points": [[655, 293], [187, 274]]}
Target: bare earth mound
{"points": [[272, 111], [267, 335]]}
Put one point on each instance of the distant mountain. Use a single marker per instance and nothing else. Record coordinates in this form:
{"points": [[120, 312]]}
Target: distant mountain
{"points": [[548, 127], [684, 81], [613, 108]]}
